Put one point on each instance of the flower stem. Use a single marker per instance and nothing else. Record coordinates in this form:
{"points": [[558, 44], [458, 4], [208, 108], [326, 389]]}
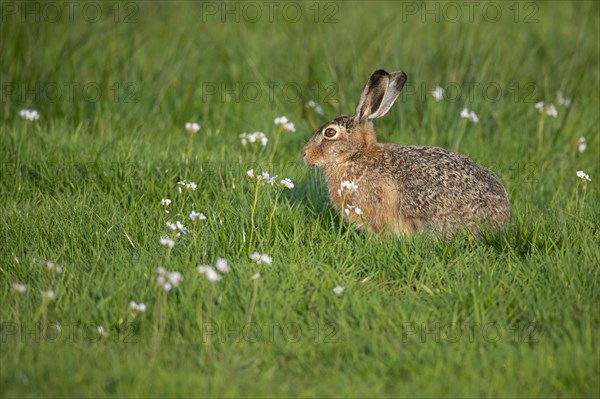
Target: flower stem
{"points": [[540, 132], [253, 210], [279, 191], [342, 209]]}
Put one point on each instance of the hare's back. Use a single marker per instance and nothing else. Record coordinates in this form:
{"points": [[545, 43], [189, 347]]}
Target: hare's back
{"points": [[437, 182]]}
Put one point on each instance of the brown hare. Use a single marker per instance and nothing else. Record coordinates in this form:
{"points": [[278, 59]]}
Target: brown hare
{"points": [[401, 189]]}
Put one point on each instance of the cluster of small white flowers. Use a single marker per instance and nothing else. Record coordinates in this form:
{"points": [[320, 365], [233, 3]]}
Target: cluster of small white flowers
{"points": [[338, 290], [471, 116], [168, 242], [192, 127], [313, 105], [347, 186], [287, 183], [184, 184], [166, 202], [20, 288], [285, 123], [266, 178], [355, 209], [139, 307], [581, 145], [101, 331], [256, 137], [583, 176], [261, 258], [549, 110], [566, 101], [53, 267], [437, 93], [211, 274], [29, 114], [197, 215], [177, 226], [167, 280], [47, 295]]}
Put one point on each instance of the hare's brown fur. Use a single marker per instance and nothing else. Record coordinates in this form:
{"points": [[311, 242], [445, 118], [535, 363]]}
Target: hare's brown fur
{"points": [[403, 189]]}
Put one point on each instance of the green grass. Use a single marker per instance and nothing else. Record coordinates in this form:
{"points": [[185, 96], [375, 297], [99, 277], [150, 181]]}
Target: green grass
{"points": [[515, 316]]}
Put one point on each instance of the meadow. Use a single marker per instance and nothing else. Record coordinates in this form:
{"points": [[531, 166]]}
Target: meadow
{"points": [[139, 259]]}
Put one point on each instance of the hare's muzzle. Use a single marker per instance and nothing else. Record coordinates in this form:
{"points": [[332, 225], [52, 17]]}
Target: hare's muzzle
{"points": [[307, 154]]}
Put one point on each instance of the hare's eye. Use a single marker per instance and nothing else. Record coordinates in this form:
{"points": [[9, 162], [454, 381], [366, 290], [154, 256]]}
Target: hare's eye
{"points": [[330, 132]]}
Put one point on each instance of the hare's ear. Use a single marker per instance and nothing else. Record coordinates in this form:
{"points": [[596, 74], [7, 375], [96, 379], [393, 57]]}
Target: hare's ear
{"points": [[397, 81], [379, 93], [372, 95]]}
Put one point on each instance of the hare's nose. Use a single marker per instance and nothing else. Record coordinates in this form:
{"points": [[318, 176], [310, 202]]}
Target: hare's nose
{"points": [[303, 152]]}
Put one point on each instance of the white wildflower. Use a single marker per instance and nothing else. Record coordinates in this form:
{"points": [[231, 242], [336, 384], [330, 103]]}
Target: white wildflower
{"points": [[338, 290], [166, 241], [281, 120], [353, 208], [437, 93], [181, 227], [165, 202], [222, 265], [549, 110], [289, 127], [347, 185], [562, 100], [57, 327], [287, 183], [197, 215], [53, 267], [101, 331], [256, 276], [285, 123], [256, 137], [19, 288], [140, 307], [471, 116], [581, 145], [192, 127], [167, 280], [184, 183], [250, 173], [263, 178], [29, 114], [264, 258], [210, 273], [48, 294], [583, 176], [318, 109]]}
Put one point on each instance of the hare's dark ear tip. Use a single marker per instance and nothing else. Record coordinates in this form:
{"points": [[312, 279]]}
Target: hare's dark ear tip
{"points": [[379, 72]]}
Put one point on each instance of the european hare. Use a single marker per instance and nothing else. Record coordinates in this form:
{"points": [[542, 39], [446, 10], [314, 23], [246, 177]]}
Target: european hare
{"points": [[401, 189]]}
